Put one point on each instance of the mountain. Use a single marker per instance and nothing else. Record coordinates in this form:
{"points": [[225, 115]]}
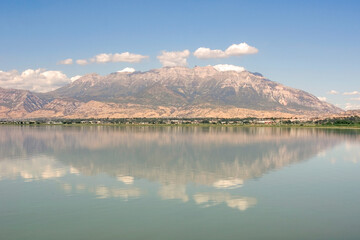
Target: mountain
{"points": [[18, 103], [350, 113], [166, 92]]}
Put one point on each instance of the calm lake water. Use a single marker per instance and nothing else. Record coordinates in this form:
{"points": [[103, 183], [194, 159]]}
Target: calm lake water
{"points": [[179, 183]]}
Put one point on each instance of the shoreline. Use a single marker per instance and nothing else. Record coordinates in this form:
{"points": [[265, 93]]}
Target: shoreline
{"points": [[356, 127]]}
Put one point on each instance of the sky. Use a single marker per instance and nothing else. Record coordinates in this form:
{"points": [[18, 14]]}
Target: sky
{"points": [[310, 45]]}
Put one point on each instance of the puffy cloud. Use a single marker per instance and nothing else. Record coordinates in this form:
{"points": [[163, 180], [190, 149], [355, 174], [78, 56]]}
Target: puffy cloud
{"points": [[38, 80], [102, 58], [110, 57], [37, 167], [125, 179], [173, 191], [82, 61], [234, 50], [323, 99], [208, 53], [333, 92], [240, 49], [118, 57], [127, 70], [228, 67], [356, 99], [351, 93], [215, 198], [128, 57], [228, 183], [172, 59], [350, 106], [67, 61], [74, 78]]}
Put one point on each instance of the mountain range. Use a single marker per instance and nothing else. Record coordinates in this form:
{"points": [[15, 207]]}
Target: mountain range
{"points": [[165, 92]]}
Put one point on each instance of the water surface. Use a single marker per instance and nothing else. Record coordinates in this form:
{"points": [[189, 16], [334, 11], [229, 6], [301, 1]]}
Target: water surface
{"points": [[99, 182]]}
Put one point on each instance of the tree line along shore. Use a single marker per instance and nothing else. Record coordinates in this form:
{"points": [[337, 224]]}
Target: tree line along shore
{"points": [[352, 121]]}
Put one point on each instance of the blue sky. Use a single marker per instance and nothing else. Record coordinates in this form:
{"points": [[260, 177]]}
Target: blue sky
{"points": [[311, 45]]}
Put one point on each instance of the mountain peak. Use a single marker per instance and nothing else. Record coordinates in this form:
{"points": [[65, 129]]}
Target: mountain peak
{"points": [[177, 91], [204, 71], [91, 77]]}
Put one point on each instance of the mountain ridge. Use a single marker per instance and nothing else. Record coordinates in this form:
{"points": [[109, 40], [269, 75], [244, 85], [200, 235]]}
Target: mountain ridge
{"points": [[166, 92]]}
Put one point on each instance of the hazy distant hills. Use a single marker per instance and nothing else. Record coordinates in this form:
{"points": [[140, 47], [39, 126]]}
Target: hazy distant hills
{"points": [[165, 92]]}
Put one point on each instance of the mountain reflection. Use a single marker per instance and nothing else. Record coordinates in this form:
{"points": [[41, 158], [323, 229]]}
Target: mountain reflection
{"points": [[217, 157]]}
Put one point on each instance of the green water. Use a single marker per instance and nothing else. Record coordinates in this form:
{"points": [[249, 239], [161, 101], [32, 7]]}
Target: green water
{"points": [[179, 183]]}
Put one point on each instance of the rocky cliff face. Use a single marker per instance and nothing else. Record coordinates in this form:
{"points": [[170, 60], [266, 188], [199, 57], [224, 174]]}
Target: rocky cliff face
{"points": [[172, 92], [18, 103]]}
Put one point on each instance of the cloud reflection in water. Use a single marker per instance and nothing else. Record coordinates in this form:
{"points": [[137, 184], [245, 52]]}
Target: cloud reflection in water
{"points": [[219, 159]]}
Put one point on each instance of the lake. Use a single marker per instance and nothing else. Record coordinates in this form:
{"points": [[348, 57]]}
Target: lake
{"points": [[102, 182]]}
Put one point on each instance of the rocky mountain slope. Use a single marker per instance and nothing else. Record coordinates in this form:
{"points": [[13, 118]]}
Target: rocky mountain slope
{"points": [[18, 103], [165, 92]]}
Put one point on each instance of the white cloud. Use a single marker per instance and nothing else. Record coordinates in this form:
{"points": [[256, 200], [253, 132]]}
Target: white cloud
{"points": [[172, 59], [126, 179], [127, 70], [173, 191], [82, 61], [74, 78], [37, 167], [355, 99], [38, 80], [228, 67], [350, 106], [240, 49], [67, 61], [215, 198], [351, 93], [118, 57], [234, 50], [228, 183], [208, 53], [110, 57], [323, 99], [128, 57], [102, 58], [333, 92]]}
